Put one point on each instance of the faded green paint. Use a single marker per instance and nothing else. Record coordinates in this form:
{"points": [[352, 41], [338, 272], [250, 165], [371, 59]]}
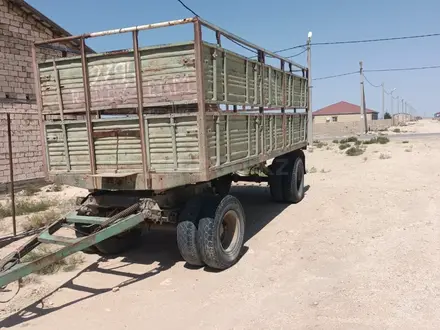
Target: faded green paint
{"points": [[24, 269], [171, 139]]}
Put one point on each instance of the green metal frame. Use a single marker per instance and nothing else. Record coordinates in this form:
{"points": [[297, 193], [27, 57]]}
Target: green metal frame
{"points": [[71, 245]]}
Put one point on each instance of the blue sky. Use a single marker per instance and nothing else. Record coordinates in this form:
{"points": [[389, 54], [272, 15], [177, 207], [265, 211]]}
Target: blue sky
{"points": [[283, 23]]}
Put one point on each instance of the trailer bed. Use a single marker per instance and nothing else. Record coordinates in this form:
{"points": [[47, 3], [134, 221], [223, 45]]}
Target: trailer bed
{"points": [[170, 115]]}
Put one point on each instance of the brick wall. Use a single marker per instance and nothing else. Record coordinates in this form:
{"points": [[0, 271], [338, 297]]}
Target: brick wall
{"points": [[18, 31], [26, 147]]}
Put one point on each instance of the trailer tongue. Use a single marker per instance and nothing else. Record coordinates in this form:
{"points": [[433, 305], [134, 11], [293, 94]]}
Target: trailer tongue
{"points": [[12, 268]]}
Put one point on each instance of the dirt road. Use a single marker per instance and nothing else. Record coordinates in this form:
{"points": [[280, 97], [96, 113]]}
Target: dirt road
{"points": [[361, 251]]}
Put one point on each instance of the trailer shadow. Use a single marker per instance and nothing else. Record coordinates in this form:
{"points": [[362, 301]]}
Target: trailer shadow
{"points": [[159, 249]]}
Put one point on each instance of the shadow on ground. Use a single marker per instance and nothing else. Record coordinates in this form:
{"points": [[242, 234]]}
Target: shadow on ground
{"points": [[158, 247]]}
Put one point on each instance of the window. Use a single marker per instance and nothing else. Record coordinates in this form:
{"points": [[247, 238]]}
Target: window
{"points": [[334, 118]]}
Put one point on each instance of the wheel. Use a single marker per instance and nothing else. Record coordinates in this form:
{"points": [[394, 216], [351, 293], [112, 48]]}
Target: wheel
{"points": [[221, 238], [276, 180], [293, 185], [187, 232], [222, 185], [120, 243], [82, 230]]}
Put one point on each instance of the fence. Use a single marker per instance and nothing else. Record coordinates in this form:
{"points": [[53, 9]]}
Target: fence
{"points": [[327, 130]]}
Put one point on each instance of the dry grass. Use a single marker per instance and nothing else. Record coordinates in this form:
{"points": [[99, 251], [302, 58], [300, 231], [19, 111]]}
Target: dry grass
{"points": [[354, 151], [40, 220], [67, 264], [312, 170], [30, 191], [336, 141], [378, 139], [23, 207], [396, 130], [344, 146], [405, 141], [408, 150], [384, 156], [319, 144], [349, 139]]}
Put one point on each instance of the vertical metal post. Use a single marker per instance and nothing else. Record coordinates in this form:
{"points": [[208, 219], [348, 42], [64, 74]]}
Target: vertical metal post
{"points": [[362, 107], [309, 85], [11, 174], [383, 100], [140, 109], [61, 109], [87, 100], [398, 104], [283, 128], [201, 117], [38, 98]]}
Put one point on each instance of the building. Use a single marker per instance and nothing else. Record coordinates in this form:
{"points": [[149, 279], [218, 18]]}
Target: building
{"points": [[341, 112], [20, 26]]}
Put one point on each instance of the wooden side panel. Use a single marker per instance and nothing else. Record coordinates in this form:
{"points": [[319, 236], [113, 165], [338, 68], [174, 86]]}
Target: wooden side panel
{"points": [[233, 79], [169, 74], [78, 151], [172, 143], [117, 145], [168, 77]]}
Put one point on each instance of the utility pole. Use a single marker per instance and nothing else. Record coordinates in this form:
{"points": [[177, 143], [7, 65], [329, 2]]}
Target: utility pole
{"points": [[403, 108], [383, 100], [398, 104], [309, 83], [364, 127]]}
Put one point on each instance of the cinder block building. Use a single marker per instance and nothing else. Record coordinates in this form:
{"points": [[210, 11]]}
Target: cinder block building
{"points": [[342, 112], [20, 26]]}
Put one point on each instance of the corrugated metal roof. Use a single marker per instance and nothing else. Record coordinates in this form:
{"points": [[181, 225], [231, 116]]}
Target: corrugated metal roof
{"points": [[341, 108]]}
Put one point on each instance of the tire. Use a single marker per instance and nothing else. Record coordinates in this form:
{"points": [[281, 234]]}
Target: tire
{"points": [[293, 185], [187, 231], [120, 243], [222, 185], [83, 230], [276, 184], [220, 239]]}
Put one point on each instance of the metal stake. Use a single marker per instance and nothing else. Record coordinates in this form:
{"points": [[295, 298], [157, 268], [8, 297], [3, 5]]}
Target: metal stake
{"points": [[11, 174]]}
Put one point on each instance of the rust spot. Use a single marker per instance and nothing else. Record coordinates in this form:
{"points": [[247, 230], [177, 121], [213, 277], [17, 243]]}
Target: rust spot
{"points": [[189, 62]]}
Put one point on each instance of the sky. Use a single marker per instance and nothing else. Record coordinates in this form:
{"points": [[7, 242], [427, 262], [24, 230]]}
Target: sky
{"points": [[279, 24]]}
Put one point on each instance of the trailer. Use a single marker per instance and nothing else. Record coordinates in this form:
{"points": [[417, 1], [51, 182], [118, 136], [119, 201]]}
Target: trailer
{"points": [[158, 134]]}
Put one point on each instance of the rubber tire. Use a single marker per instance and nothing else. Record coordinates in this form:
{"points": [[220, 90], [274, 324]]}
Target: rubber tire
{"points": [[120, 243], [222, 185], [291, 193], [83, 230], [208, 233], [276, 184], [187, 231]]}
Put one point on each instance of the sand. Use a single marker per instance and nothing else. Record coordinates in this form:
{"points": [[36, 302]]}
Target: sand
{"points": [[361, 251]]}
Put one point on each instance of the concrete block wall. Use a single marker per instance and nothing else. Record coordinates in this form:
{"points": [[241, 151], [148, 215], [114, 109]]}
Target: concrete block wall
{"points": [[18, 31], [26, 147], [338, 129]]}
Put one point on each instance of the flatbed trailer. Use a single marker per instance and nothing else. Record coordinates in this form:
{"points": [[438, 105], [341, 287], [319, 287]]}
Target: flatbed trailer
{"points": [[157, 135]]}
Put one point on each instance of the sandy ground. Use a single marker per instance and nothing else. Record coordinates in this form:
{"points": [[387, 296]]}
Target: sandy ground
{"points": [[361, 251]]}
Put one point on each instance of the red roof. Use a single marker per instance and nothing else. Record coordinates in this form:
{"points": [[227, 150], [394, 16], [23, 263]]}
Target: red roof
{"points": [[341, 108]]}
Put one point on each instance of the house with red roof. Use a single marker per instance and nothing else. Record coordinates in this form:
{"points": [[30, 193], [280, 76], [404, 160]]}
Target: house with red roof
{"points": [[342, 112]]}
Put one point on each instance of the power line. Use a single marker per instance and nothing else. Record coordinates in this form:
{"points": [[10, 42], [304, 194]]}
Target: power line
{"points": [[376, 86], [297, 54], [362, 41], [337, 75], [405, 69], [195, 14], [187, 8]]}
